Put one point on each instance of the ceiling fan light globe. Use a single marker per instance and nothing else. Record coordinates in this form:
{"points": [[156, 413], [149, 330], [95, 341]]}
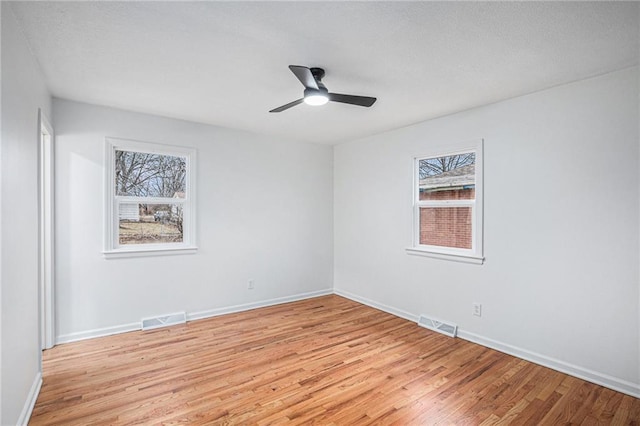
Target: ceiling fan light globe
{"points": [[316, 99]]}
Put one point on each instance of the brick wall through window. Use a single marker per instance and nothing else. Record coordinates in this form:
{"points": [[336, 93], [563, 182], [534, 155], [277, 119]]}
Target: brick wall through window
{"points": [[447, 226]]}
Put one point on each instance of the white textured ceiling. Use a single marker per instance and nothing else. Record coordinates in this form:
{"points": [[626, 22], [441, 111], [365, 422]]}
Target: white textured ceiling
{"points": [[225, 63]]}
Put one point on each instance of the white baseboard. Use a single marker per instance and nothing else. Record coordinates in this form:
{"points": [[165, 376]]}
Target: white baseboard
{"points": [[25, 415], [98, 332], [254, 305], [124, 328], [601, 379], [598, 378], [381, 306]]}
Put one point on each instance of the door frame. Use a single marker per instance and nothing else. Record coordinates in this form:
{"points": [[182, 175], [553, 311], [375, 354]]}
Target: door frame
{"points": [[46, 273]]}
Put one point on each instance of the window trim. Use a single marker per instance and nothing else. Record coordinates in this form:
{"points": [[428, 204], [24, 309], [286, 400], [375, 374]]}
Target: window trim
{"points": [[112, 201], [476, 253]]}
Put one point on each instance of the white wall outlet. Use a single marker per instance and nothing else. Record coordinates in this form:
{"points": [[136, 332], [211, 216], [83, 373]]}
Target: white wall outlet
{"points": [[251, 285], [477, 309]]}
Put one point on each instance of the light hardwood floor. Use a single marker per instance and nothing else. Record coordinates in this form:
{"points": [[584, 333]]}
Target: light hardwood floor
{"points": [[327, 361]]}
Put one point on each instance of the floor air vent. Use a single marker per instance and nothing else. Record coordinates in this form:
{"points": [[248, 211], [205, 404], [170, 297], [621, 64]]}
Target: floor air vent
{"points": [[164, 321], [439, 326]]}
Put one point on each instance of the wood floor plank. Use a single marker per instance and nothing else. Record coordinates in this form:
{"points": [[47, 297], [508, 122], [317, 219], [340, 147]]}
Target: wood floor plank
{"points": [[326, 360]]}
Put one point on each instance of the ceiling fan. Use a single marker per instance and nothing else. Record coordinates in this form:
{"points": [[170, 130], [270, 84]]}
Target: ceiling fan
{"points": [[316, 93]]}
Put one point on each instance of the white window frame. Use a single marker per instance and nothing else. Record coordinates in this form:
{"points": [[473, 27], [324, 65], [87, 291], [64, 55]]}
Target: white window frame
{"points": [[112, 202], [476, 253]]}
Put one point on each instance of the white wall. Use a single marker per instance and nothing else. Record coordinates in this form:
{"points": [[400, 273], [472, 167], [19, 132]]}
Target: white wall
{"points": [[23, 92], [561, 283], [264, 212]]}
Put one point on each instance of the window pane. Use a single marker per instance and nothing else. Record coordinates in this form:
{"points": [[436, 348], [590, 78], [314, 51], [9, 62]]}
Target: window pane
{"points": [[446, 226], [149, 223], [448, 178], [141, 174]]}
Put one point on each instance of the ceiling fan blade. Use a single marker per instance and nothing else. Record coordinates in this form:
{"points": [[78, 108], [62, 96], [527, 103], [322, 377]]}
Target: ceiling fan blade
{"points": [[364, 101], [304, 75], [287, 106]]}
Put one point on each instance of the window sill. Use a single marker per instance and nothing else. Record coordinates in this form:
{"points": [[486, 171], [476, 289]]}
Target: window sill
{"points": [[145, 252], [464, 258]]}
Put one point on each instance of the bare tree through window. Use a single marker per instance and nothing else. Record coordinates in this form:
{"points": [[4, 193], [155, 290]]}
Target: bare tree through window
{"points": [[150, 175], [438, 165]]}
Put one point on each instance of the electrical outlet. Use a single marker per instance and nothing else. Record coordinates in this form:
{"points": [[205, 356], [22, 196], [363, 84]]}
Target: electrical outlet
{"points": [[251, 285], [477, 309]]}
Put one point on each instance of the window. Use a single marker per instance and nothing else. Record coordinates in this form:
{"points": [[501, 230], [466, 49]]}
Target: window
{"points": [[150, 199], [447, 204]]}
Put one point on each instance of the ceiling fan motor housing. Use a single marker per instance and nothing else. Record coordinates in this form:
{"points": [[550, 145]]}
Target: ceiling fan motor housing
{"points": [[322, 91], [317, 74]]}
